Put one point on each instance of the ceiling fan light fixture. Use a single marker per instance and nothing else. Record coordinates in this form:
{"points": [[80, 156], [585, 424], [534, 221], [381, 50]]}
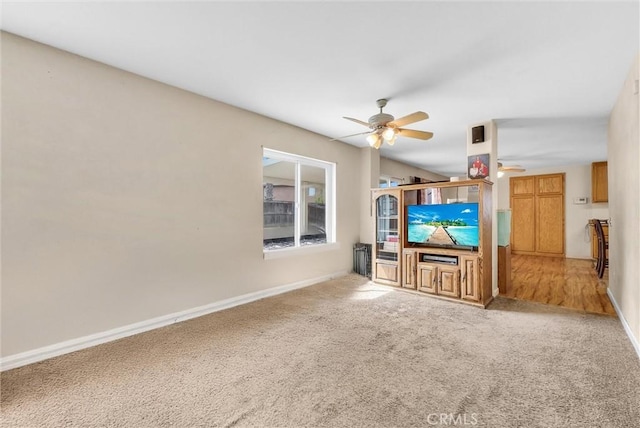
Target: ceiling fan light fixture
{"points": [[391, 141], [389, 134], [374, 140]]}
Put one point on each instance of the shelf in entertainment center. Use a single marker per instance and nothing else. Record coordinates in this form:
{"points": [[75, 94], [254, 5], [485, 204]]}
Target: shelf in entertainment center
{"points": [[436, 250], [386, 255]]}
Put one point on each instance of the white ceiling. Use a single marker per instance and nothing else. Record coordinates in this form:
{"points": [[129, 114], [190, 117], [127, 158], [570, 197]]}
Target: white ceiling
{"points": [[548, 73]]}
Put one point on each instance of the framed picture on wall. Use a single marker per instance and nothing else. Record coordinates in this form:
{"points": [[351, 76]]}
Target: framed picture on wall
{"points": [[478, 166]]}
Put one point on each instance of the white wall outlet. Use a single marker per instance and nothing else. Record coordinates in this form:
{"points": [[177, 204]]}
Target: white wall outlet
{"points": [[580, 201]]}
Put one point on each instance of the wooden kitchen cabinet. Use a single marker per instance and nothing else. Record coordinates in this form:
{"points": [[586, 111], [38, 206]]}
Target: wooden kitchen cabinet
{"points": [[537, 215], [599, 182]]}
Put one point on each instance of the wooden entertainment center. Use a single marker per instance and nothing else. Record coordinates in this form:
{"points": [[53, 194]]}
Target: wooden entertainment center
{"points": [[436, 267]]}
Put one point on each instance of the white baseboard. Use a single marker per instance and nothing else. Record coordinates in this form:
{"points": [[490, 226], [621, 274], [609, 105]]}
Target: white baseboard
{"points": [[46, 352], [625, 324]]}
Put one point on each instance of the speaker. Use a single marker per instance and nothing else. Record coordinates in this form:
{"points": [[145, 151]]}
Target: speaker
{"points": [[477, 134]]}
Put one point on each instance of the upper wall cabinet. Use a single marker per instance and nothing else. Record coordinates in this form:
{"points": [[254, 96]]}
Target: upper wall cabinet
{"points": [[599, 182]]}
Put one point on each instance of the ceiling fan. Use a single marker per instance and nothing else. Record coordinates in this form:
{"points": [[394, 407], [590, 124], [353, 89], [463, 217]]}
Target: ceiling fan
{"points": [[385, 128], [515, 168]]}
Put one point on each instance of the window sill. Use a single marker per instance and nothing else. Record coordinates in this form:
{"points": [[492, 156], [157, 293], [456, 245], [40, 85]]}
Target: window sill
{"points": [[300, 251]]}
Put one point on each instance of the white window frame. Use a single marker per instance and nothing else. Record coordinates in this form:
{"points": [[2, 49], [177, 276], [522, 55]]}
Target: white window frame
{"points": [[390, 179], [330, 204]]}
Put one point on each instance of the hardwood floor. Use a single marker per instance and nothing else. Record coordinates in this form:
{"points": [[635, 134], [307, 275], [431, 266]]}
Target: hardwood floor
{"points": [[570, 283]]}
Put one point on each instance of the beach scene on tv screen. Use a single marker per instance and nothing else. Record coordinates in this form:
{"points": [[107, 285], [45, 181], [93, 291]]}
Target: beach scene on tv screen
{"points": [[446, 224]]}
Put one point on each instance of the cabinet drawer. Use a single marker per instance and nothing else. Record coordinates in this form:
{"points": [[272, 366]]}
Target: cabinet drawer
{"points": [[387, 272]]}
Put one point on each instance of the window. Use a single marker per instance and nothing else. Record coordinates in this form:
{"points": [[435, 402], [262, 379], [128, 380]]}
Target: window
{"points": [[390, 181], [298, 201]]}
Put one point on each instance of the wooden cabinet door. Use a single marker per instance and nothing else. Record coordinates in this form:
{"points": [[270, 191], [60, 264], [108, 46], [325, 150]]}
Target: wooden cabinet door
{"points": [[409, 269], [550, 184], [523, 232], [449, 281], [550, 225], [427, 278], [550, 214], [522, 186], [599, 182], [388, 228], [470, 281], [386, 273]]}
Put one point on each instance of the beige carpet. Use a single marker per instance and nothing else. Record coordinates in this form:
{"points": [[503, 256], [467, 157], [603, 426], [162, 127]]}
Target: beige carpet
{"points": [[344, 353]]}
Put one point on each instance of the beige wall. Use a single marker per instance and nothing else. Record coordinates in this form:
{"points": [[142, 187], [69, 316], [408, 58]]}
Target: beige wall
{"points": [[577, 185], [489, 146], [124, 199], [623, 151], [391, 168], [373, 166], [370, 174]]}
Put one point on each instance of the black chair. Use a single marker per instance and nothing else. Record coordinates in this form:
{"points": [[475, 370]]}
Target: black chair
{"points": [[592, 222], [603, 246]]}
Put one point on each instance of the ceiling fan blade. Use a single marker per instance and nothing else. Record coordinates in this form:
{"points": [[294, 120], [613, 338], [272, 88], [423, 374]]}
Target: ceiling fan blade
{"points": [[412, 133], [356, 121], [513, 168], [413, 117], [352, 135]]}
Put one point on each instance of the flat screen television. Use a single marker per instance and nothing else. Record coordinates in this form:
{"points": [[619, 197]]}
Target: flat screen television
{"points": [[443, 225]]}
